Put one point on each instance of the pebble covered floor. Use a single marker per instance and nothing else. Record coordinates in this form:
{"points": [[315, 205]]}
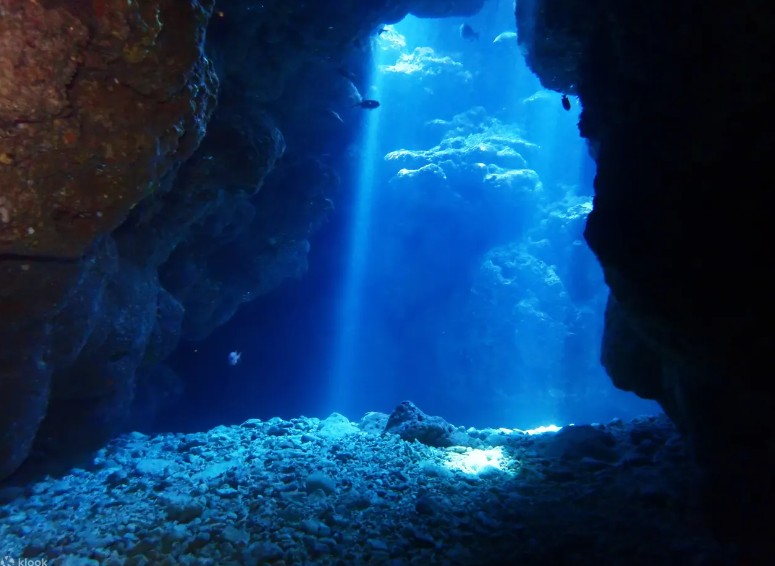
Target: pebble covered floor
{"points": [[311, 491]]}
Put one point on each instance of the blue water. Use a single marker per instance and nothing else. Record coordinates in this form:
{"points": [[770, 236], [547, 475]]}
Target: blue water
{"points": [[343, 386], [454, 272]]}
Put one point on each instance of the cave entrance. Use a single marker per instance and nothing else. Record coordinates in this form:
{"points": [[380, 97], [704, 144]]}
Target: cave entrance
{"points": [[468, 287]]}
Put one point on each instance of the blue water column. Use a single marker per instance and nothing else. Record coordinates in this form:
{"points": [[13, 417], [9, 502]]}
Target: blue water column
{"points": [[345, 386]]}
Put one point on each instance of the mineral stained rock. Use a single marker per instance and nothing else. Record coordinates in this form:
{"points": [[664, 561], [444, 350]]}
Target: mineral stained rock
{"points": [[66, 175], [682, 222], [99, 103]]}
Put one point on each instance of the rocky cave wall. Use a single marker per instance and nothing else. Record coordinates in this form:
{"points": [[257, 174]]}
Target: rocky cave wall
{"points": [[99, 107], [676, 102], [137, 206]]}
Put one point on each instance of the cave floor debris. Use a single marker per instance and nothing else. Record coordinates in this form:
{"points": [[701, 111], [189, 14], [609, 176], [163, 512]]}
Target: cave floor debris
{"points": [[310, 491]]}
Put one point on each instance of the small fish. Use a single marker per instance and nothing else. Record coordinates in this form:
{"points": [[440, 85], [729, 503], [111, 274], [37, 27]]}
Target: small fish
{"points": [[335, 115], [565, 102], [234, 358], [368, 104], [506, 36], [468, 33]]}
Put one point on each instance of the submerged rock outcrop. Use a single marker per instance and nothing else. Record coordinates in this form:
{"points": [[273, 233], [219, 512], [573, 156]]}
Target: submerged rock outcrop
{"points": [[681, 223]]}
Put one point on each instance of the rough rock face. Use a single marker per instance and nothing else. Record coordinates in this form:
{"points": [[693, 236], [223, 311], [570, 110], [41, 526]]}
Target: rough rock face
{"points": [[65, 177], [681, 130], [99, 103], [410, 423]]}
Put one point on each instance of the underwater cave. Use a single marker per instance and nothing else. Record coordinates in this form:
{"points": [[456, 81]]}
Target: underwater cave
{"points": [[385, 282]]}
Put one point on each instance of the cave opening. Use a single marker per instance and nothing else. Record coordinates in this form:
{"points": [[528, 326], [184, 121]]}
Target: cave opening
{"points": [[453, 271]]}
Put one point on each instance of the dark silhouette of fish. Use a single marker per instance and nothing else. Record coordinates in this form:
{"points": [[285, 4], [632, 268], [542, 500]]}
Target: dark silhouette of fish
{"points": [[565, 102], [368, 103], [468, 33]]}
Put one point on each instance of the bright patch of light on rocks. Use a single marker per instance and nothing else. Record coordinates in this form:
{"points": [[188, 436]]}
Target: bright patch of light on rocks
{"points": [[476, 461]]}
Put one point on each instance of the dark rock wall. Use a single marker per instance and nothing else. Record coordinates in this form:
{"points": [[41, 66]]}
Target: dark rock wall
{"points": [[132, 212], [99, 104], [676, 99]]}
